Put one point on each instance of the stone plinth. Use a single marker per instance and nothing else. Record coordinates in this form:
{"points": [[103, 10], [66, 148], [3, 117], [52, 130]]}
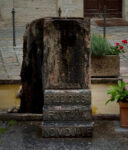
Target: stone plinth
{"points": [[67, 98], [67, 113], [67, 129]]}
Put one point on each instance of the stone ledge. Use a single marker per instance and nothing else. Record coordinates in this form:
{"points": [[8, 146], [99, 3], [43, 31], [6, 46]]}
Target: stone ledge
{"points": [[10, 81], [93, 80], [20, 117], [106, 117], [104, 80], [39, 117]]}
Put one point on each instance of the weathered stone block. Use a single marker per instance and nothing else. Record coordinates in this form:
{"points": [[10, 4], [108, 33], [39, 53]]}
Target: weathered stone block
{"points": [[105, 66], [67, 97], [56, 69], [66, 53], [67, 113], [31, 71], [67, 129]]}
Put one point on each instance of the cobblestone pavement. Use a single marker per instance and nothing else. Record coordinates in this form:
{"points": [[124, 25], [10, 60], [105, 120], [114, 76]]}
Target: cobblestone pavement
{"points": [[107, 135], [11, 58]]}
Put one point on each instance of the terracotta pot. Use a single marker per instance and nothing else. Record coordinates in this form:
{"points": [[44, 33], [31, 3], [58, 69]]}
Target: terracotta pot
{"points": [[124, 114], [105, 66]]}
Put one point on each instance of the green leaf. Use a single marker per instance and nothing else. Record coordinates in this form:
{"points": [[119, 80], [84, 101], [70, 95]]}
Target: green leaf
{"points": [[11, 122], [117, 93], [107, 101], [119, 83]]}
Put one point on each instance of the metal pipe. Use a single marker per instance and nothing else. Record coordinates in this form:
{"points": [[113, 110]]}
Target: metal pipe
{"points": [[59, 12], [13, 25], [105, 11]]}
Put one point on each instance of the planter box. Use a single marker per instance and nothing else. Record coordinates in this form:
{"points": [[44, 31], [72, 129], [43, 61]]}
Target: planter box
{"points": [[105, 66], [124, 114]]}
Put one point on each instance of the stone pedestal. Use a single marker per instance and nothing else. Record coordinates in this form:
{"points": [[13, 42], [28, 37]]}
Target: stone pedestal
{"points": [[67, 113], [67, 98]]}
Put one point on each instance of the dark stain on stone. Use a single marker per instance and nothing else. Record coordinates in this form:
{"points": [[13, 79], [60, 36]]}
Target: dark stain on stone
{"points": [[71, 50], [31, 72]]}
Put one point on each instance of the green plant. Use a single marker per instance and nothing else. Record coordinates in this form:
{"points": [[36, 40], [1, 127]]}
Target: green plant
{"points": [[3, 130], [11, 122], [99, 46], [118, 93]]}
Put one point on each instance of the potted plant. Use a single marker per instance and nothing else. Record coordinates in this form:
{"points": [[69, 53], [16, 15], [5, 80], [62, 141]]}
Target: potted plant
{"points": [[105, 60], [119, 94]]}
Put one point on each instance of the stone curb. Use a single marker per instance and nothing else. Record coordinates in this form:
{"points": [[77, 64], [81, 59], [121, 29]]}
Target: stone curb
{"points": [[106, 117], [20, 117], [39, 117], [93, 80], [105, 80], [9, 81]]}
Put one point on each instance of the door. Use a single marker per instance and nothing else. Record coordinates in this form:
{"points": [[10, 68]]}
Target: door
{"points": [[94, 8], [114, 8]]}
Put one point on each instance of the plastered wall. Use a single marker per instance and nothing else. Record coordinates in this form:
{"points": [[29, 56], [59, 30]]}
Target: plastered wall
{"points": [[125, 9], [71, 8], [28, 10], [99, 97]]}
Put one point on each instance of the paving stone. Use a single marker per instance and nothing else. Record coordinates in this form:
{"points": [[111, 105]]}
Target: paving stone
{"points": [[14, 77]]}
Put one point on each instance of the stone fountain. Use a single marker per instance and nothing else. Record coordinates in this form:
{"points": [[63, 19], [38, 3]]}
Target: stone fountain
{"points": [[59, 48]]}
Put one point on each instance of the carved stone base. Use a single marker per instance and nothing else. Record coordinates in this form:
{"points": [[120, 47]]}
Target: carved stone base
{"points": [[67, 113], [67, 129], [67, 97]]}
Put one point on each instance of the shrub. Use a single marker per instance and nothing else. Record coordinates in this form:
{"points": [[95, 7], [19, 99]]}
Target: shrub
{"points": [[99, 46]]}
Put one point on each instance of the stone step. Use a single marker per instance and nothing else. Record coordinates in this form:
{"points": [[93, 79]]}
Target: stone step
{"points": [[67, 113], [67, 129], [58, 97]]}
